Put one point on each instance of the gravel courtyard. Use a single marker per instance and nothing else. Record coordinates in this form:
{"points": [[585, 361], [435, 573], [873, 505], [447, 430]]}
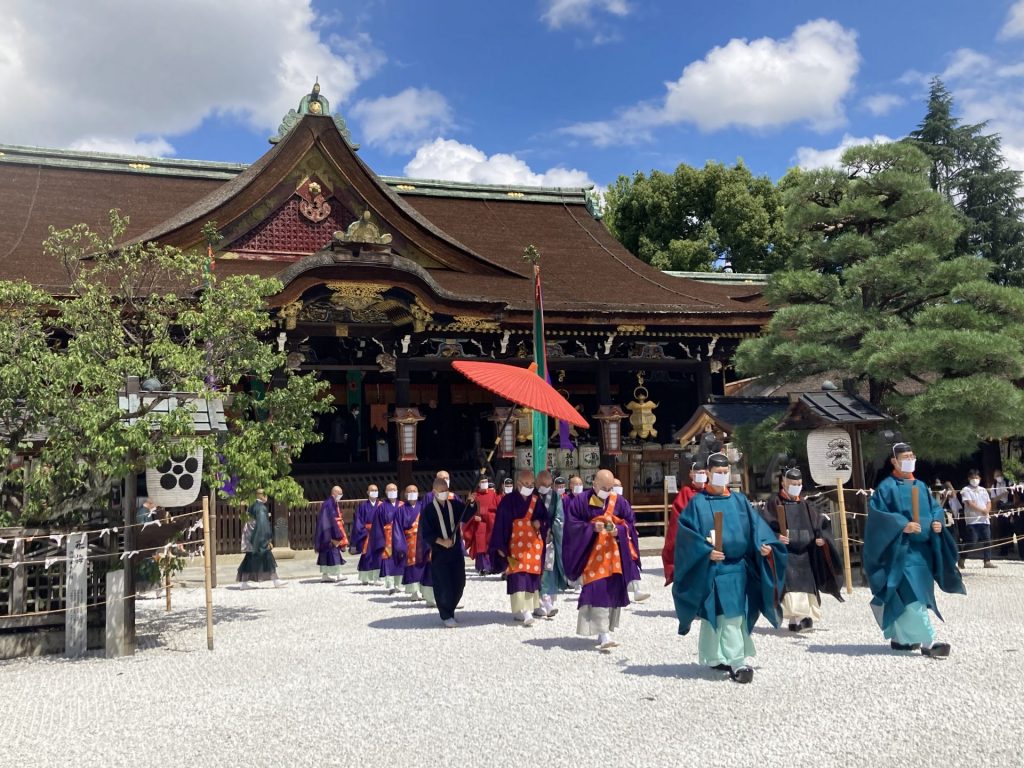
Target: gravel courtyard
{"points": [[317, 674]]}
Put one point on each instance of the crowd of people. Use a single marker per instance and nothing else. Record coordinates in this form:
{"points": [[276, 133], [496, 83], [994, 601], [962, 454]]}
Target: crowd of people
{"points": [[728, 562]]}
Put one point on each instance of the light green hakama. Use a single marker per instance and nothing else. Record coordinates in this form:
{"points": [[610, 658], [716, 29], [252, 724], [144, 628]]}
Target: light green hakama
{"points": [[730, 644]]}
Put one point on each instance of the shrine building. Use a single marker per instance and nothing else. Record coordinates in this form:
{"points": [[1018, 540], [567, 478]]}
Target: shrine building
{"points": [[387, 280]]}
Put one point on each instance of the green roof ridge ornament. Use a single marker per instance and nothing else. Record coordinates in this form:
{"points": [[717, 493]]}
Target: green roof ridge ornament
{"points": [[313, 104], [594, 202]]}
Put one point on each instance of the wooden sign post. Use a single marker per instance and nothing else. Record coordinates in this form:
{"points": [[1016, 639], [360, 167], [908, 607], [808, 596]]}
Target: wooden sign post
{"points": [[76, 610], [847, 571], [207, 539]]}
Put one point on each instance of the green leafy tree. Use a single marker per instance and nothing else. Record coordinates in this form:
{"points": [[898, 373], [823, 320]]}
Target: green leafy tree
{"points": [[699, 219], [877, 294], [968, 168], [152, 311]]}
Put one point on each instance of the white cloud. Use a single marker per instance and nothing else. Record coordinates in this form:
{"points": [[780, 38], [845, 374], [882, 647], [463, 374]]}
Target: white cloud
{"points": [[402, 122], [759, 84], [966, 63], [581, 13], [810, 158], [883, 103], [451, 160], [1014, 25], [107, 72]]}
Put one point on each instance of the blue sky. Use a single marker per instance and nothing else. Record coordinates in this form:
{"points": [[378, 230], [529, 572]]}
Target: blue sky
{"points": [[524, 91]]}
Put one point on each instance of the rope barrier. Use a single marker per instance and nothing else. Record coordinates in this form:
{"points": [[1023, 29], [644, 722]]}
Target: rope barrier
{"points": [[156, 591]]}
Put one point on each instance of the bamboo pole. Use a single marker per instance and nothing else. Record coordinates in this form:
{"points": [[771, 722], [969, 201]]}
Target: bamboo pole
{"points": [[207, 572], [167, 572], [664, 502], [847, 571]]}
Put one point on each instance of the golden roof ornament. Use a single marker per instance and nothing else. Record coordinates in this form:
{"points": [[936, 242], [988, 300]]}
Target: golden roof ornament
{"points": [[363, 230], [313, 103]]}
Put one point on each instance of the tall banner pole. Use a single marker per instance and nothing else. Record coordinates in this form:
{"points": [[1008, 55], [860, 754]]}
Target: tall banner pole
{"points": [[540, 420]]}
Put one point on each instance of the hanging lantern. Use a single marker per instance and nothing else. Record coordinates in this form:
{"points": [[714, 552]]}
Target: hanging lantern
{"points": [[407, 419], [611, 417], [525, 418], [176, 482], [641, 409], [508, 434]]}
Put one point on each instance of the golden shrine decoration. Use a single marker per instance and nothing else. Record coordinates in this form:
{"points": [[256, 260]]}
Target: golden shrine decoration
{"points": [[524, 417], [641, 412], [290, 314]]}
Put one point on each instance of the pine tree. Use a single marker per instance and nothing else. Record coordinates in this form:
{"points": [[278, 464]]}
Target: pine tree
{"points": [[877, 293], [968, 168]]}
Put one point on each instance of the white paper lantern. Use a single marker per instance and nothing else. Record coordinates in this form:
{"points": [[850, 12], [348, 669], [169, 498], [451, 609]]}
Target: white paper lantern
{"points": [[177, 481]]}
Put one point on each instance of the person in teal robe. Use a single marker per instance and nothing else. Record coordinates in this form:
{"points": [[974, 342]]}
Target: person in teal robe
{"points": [[903, 560], [726, 590], [553, 578]]}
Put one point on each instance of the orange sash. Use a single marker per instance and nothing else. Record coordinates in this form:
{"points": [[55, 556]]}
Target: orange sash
{"points": [[341, 527], [605, 558], [388, 529], [527, 547], [366, 541], [410, 541]]}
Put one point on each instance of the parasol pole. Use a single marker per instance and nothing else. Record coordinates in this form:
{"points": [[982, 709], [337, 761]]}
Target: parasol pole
{"points": [[540, 420], [497, 442]]}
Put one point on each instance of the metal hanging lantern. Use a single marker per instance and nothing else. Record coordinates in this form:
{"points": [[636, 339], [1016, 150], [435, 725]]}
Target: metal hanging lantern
{"points": [[525, 418], [508, 427], [611, 417], [641, 415], [406, 419]]}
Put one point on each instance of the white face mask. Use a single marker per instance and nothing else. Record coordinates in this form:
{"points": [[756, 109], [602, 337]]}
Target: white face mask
{"points": [[974, 482], [508, 488], [700, 477], [337, 497], [483, 486], [441, 495], [577, 489], [617, 490], [526, 491], [794, 490], [560, 491], [719, 479], [392, 495], [907, 465], [373, 494], [543, 490], [412, 496], [602, 495]]}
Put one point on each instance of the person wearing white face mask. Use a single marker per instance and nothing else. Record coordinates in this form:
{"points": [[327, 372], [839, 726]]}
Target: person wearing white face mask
{"points": [[633, 578], [415, 575], [907, 550], [329, 539], [553, 579], [726, 584], [812, 565], [977, 511], [574, 487], [477, 531], [517, 546], [600, 544], [441, 529], [698, 477], [362, 524], [386, 539]]}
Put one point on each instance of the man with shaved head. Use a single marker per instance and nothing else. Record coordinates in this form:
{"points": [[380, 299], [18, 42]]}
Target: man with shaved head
{"points": [[441, 529], [599, 546], [517, 546], [329, 538], [386, 539]]}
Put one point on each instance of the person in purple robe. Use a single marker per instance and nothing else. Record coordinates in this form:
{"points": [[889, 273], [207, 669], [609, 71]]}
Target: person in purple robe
{"points": [[633, 580], [517, 546], [369, 559], [387, 539], [416, 563], [329, 538], [600, 541]]}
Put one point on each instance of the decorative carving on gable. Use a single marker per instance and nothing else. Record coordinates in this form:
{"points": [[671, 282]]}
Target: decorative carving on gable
{"points": [[314, 205], [363, 230], [288, 235], [362, 303]]}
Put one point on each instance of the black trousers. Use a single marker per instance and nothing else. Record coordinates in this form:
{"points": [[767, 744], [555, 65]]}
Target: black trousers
{"points": [[980, 535], [448, 570]]}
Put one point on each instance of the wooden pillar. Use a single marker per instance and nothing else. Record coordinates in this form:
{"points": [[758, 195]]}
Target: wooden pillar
{"points": [[704, 384], [129, 500]]}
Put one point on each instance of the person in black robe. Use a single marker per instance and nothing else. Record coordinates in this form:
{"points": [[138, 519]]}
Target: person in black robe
{"points": [[440, 528], [813, 563]]}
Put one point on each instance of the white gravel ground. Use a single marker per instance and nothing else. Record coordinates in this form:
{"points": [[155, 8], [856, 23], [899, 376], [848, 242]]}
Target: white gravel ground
{"points": [[324, 675]]}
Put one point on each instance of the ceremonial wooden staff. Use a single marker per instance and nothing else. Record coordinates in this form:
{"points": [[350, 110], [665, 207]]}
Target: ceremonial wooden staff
{"points": [[915, 504], [780, 514], [847, 571], [718, 531]]}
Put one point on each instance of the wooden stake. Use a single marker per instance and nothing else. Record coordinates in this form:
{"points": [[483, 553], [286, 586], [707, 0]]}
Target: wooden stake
{"points": [[207, 538], [847, 571], [915, 504], [718, 531], [167, 576]]}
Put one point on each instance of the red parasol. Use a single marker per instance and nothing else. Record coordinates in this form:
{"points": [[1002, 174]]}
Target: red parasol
{"points": [[521, 386]]}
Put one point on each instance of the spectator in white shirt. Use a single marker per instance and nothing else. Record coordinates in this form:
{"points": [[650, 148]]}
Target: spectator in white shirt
{"points": [[977, 508]]}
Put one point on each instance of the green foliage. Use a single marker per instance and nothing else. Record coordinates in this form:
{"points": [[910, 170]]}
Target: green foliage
{"points": [[697, 218], [877, 294], [146, 310], [761, 442], [968, 169]]}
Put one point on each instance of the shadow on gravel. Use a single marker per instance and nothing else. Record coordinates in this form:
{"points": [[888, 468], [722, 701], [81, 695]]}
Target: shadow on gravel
{"points": [[428, 619], [855, 650], [655, 614], [675, 671], [151, 627], [564, 643]]}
